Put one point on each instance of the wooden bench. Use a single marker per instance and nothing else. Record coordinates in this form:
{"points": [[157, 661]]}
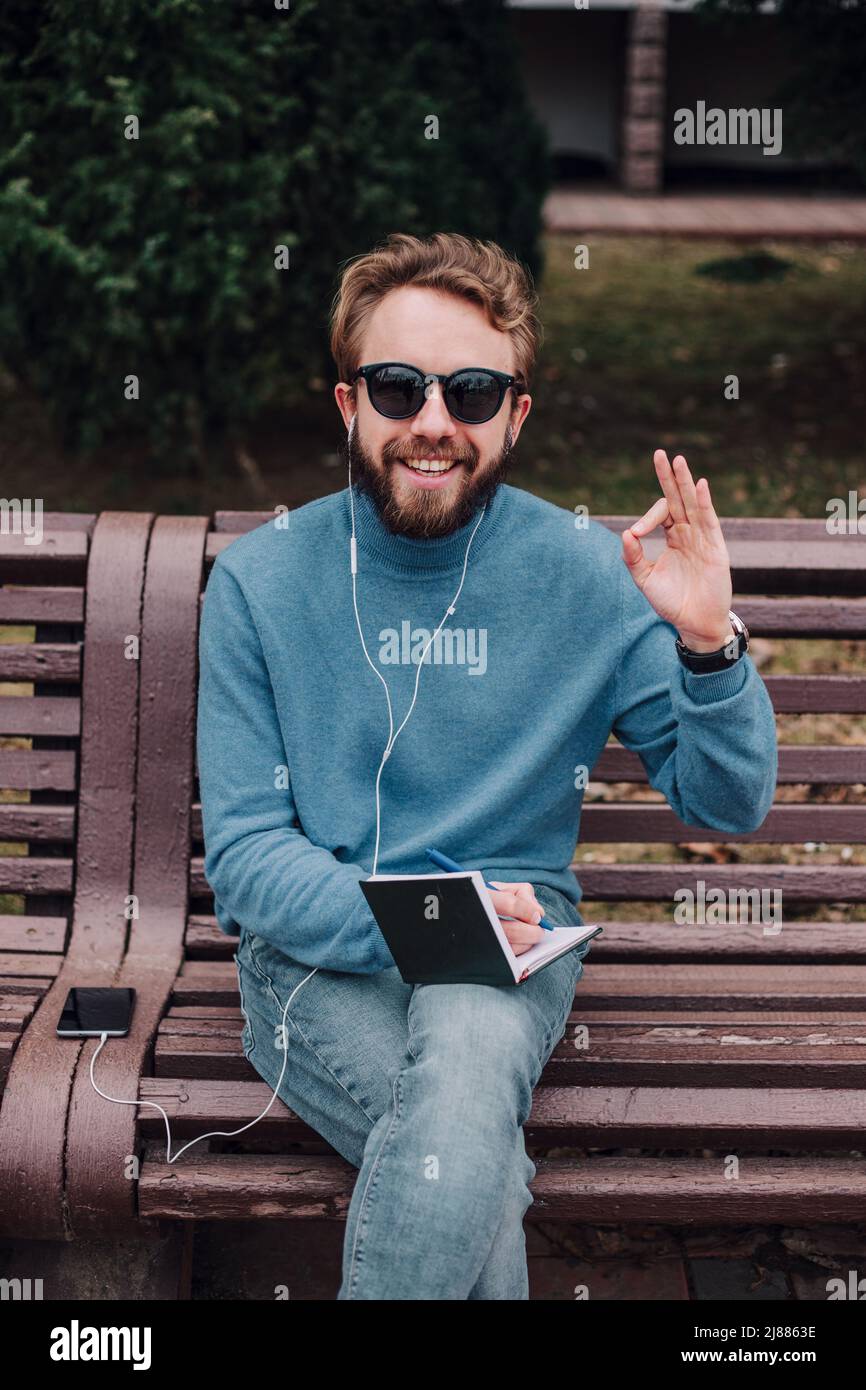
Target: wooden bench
{"points": [[700, 1042], [113, 605]]}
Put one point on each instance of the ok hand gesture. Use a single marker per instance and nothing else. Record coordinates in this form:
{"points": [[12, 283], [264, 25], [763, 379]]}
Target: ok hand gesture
{"points": [[689, 585]]}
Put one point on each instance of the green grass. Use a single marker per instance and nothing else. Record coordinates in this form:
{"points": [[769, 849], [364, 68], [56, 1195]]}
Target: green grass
{"points": [[636, 351]]}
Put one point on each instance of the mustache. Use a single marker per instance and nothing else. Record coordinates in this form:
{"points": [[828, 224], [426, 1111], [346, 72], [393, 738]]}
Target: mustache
{"points": [[392, 456]]}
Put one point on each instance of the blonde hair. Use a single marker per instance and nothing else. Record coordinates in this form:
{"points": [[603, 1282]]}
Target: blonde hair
{"points": [[476, 270]]}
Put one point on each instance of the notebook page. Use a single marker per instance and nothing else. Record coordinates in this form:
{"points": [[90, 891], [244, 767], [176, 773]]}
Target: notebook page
{"points": [[557, 940]]}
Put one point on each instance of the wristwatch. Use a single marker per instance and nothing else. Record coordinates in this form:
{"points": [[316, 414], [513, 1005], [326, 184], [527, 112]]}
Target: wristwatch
{"points": [[703, 662]]}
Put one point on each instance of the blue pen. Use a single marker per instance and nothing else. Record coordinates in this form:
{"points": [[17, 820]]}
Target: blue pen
{"points": [[451, 868]]}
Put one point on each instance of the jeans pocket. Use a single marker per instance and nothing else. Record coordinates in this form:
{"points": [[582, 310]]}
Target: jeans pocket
{"points": [[267, 969], [247, 1040]]}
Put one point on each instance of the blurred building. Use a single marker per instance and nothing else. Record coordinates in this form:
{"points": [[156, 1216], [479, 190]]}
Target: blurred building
{"points": [[607, 79]]}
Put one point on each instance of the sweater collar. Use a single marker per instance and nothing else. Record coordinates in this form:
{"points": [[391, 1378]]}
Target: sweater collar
{"points": [[410, 555]]}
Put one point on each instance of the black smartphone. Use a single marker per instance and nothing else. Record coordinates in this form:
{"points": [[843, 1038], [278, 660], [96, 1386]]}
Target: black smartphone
{"points": [[90, 1011]]}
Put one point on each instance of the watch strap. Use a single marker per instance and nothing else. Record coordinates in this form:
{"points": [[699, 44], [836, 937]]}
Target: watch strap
{"points": [[702, 663]]}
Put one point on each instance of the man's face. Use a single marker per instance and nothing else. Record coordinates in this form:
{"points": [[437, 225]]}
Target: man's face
{"points": [[435, 332]]}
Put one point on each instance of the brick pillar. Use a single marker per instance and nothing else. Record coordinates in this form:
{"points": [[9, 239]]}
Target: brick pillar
{"points": [[643, 135]]}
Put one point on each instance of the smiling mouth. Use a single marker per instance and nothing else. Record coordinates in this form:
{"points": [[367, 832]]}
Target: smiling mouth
{"points": [[430, 467]]}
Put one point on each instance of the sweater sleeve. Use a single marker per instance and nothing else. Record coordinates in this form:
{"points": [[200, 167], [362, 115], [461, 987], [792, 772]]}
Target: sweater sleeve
{"points": [[266, 875], [708, 742]]}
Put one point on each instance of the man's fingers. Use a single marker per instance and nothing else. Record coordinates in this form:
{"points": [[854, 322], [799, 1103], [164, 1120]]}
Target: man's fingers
{"points": [[709, 519], [683, 475], [515, 905], [526, 890], [518, 901], [669, 484], [521, 935], [510, 903], [657, 513], [635, 558]]}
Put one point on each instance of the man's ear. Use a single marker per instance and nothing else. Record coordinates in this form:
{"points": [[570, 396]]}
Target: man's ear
{"points": [[519, 412], [345, 398]]}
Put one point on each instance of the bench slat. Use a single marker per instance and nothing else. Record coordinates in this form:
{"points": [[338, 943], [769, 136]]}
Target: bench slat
{"points": [[21, 873], [760, 528], [22, 984], [235, 1187], [42, 605], [785, 824], [12, 1005], [659, 882], [37, 769], [694, 986], [817, 694], [40, 661], [19, 932], [833, 565], [39, 716], [644, 985], [23, 822], [744, 943], [70, 521], [654, 822], [59, 558], [806, 763], [804, 617], [30, 965], [583, 1114], [786, 529], [803, 1022], [661, 1053]]}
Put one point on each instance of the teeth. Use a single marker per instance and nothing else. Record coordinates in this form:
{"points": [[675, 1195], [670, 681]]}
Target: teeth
{"points": [[430, 465]]}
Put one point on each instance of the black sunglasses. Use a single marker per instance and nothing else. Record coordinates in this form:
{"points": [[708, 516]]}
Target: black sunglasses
{"points": [[472, 395]]}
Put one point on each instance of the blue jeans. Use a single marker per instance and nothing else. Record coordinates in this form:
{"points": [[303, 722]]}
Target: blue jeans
{"points": [[425, 1089]]}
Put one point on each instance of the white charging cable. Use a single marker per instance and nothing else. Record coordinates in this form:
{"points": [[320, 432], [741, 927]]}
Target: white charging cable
{"points": [[214, 1133], [392, 739]]}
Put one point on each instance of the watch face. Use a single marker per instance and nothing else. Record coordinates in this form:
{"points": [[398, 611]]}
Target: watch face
{"points": [[738, 625]]}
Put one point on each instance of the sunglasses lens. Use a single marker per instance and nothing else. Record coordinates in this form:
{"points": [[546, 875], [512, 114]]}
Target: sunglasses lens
{"points": [[473, 397], [396, 392]]}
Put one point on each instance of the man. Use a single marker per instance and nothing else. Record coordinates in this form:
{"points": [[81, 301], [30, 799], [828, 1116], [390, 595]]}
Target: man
{"points": [[426, 1089]]}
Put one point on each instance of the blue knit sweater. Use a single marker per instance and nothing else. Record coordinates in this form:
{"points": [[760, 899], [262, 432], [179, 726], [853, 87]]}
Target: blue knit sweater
{"points": [[551, 648]]}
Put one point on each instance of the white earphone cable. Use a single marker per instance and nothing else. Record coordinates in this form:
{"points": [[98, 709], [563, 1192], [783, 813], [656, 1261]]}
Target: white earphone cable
{"points": [[353, 565]]}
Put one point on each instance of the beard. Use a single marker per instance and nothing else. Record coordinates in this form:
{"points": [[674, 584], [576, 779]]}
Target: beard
{"points": [[426, 514]]}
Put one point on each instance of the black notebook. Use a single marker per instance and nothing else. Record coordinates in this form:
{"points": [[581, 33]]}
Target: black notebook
{"points": [[443, 929]]}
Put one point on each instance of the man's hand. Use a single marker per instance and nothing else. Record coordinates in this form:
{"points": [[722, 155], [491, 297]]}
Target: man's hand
{"points": [[518, 900], [690, 583]]}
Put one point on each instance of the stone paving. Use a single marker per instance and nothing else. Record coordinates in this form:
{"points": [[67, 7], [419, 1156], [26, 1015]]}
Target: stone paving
{"points": [[249, 1260], [745, 215]]}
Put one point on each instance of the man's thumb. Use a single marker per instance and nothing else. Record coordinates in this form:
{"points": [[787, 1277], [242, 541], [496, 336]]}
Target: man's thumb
{"points": [[633, 555], [631, 548]]}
